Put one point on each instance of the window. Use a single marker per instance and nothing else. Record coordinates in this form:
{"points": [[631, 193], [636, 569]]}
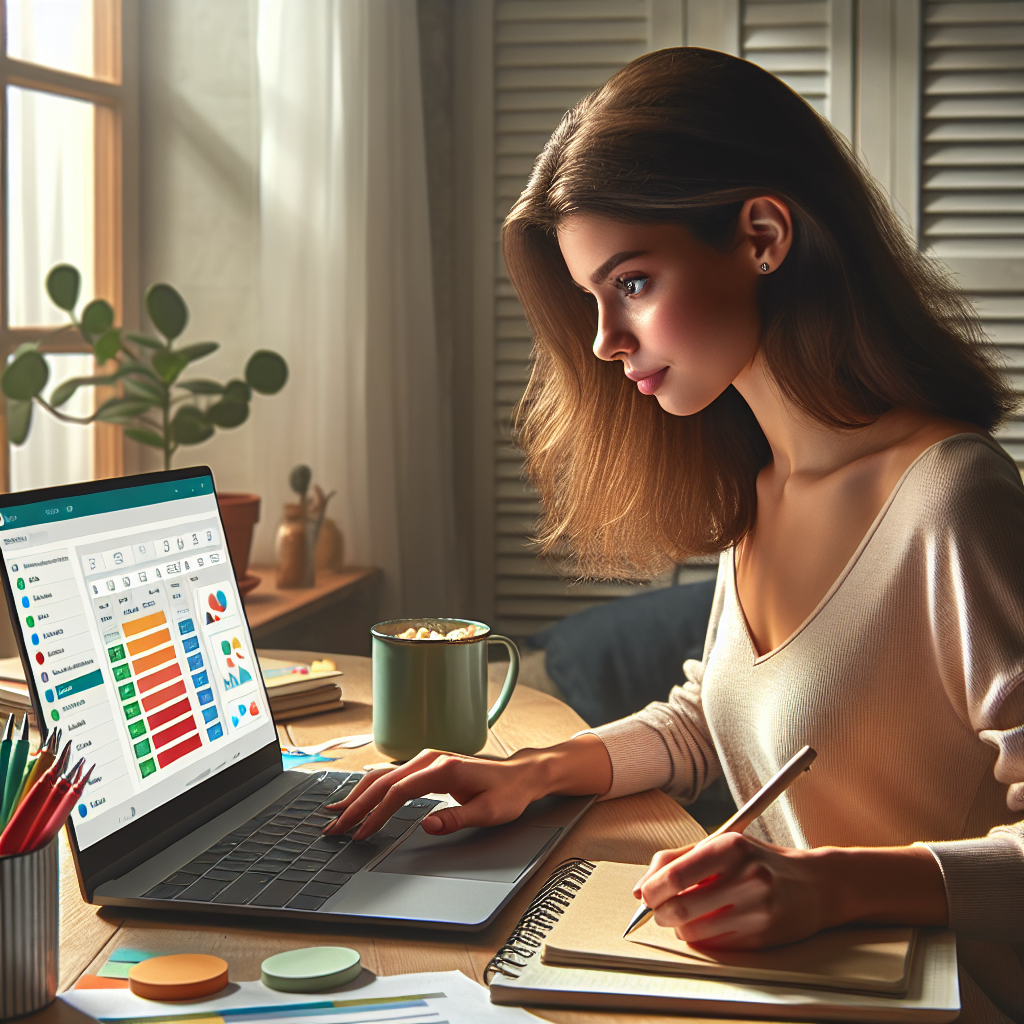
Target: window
{"points": [[64, 121]]}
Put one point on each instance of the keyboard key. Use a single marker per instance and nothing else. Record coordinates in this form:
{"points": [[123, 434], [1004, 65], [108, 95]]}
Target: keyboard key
{"points": [[223, 874], [353, 858], [329, 844], [294, 874], [319, 855], [307, 902], [164, 891], [183, 877], [320, 889], [243, 889], [273, 865], [290, 847], [332, 877], [277, 894], [205, 889]]}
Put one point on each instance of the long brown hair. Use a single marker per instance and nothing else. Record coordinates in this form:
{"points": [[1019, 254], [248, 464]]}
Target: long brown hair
{"points": [[854, 322]]}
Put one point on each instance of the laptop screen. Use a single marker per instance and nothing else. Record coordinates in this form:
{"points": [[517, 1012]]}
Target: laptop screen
{"points": [[127, 605]]}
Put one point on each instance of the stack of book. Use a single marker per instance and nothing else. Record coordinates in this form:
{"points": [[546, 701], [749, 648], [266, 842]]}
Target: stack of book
{"points": [[297, 690], [14, 698]]}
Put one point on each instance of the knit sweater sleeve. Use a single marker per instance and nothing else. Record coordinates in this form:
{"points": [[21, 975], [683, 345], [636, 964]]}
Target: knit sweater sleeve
{"points": [[976, 596], [668, 745]]}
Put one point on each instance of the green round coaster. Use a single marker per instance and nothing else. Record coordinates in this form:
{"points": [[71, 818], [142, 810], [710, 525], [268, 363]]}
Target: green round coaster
{"points": [[313, 969]]}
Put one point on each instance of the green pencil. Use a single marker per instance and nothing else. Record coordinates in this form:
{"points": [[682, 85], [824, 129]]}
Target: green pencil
{"points": [[5, 755], [15, 771]]}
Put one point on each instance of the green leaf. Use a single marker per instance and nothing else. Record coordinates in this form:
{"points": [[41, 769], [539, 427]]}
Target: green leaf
{"points": [[168, 365], [19, 419], [108, 346], [25, 376], [228, 414], [62, 284], [97, 317], [154, 393], [299, 479], [266, 372], [202, 348], [201, 387], [62, 392], [144, 436], [190, 426], [238, 391], [130, 366], [145, 340], [118, 410], [167, 310]]}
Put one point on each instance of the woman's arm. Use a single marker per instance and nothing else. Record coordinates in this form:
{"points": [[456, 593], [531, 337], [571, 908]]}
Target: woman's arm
{"points": [[489, 792], [739, 893]]}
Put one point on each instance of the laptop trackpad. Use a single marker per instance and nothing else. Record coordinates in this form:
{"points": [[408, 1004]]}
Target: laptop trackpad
{"points": [[498, 854]]}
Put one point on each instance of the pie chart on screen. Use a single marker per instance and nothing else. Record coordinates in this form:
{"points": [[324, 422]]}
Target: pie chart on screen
{"points": [[218, 602]]}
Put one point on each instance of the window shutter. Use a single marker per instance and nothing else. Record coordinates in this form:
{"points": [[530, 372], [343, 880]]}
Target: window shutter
{"points": [[548, 56], [791, 40], [972, 174]]}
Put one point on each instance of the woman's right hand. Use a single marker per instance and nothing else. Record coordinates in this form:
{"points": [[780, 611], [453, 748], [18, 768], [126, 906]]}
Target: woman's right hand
{"points": [[488, 792]]}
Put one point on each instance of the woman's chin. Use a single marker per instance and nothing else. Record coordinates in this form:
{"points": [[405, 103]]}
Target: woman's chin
{"points": [[684, 405]]}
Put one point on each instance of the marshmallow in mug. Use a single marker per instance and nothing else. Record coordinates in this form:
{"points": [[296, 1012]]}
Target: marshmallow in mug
{"points": [[432, 634]]}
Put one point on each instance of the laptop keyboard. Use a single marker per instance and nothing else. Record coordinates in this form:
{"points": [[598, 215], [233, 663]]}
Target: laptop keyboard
{"points": [[280, 859]]}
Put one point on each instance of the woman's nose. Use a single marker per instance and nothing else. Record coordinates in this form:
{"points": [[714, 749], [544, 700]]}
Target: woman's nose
{"points": [[612, 341]]}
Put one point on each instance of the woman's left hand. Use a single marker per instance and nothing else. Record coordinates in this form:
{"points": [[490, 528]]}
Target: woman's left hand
{"points": [[735, 892]]}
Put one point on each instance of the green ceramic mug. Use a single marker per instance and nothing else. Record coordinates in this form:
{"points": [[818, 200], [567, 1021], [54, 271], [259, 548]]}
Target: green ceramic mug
{"points": [[433, 693]]}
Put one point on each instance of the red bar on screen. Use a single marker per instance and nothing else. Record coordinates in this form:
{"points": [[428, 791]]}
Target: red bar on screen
{"points": [[169, 714], [156, 678], [165, 757], [172, 732], [162, 696]]}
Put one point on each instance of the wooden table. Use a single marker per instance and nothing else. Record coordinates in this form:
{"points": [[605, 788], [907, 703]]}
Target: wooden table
{"points": [[630, 829], [340, 608]]}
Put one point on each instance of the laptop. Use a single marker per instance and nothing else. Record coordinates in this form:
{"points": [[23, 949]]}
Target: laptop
{"points": [[136, 645]]}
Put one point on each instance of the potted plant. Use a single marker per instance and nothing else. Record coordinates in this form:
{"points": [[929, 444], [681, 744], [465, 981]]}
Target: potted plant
{"points": [[156, 407]]}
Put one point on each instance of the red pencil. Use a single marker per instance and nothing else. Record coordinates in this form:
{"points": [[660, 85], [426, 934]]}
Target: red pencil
{"points": [[24, 818], [60, 815], [60, 790]]}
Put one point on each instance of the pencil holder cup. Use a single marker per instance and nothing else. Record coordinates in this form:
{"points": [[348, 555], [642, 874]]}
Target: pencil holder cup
{"points": [[29, 923]]}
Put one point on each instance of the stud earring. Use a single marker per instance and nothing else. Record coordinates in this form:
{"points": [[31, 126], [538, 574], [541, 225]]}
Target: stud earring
{"points": [[764, 267]]}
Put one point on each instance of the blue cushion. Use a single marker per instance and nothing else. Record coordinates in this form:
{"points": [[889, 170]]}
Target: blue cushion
{"points": [[612, 660]]}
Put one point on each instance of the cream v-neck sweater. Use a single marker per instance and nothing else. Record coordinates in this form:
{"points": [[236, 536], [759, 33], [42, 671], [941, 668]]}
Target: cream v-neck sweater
{"points": [[908, 680]]}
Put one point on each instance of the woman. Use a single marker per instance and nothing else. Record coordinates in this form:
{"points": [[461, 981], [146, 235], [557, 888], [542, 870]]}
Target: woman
{"points": [[780, 377]]}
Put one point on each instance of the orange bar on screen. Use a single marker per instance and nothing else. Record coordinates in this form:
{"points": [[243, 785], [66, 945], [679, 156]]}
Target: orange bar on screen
{"points": [[148, 661], [144, 643], [133, 626]]}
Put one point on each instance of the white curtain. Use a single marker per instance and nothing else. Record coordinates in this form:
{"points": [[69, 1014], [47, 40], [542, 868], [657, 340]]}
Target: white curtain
{"points": [[347, 291]]}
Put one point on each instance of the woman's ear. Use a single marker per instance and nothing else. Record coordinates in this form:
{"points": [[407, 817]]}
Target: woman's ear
{"points": [[766, 232]]}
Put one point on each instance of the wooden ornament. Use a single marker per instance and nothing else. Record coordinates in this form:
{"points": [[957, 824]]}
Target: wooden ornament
{"points": [[181, 976]]}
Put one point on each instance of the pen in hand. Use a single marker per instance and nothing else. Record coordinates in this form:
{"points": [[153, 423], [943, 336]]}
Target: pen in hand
{"points": [[752, 809]]}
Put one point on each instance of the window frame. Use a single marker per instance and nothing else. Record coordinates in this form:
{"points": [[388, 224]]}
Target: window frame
{"points": [[114, 94]]}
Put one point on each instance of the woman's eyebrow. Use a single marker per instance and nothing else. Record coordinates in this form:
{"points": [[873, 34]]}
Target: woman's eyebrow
{"points": [[611, 263]]}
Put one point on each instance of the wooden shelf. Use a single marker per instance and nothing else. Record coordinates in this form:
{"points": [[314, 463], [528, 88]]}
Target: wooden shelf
{"points": [[270, 609]]}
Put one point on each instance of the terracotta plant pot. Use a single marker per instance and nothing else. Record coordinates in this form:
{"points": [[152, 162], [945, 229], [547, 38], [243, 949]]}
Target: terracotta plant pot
{"points": [[240, 512]]}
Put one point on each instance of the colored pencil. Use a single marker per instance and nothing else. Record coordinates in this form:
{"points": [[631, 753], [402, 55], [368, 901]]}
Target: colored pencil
{"points": [[60, 815], [15, 771], [22, 822]]}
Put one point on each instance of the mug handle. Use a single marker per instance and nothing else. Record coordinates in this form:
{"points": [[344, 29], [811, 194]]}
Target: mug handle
{"points": [[510, 677]]}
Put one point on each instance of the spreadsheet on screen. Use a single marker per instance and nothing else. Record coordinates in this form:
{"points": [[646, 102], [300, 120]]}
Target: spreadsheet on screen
{"points": [[137, 642]]}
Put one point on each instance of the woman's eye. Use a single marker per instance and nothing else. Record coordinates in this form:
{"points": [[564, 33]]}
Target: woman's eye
{"points": [[632, 285]]}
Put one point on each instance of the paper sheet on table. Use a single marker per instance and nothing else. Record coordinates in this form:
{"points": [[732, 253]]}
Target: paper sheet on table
{"points": [[400, 999]]}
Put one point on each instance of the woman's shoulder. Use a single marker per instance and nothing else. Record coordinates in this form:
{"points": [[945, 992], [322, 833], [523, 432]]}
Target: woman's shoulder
{"points": [[964, 480]]}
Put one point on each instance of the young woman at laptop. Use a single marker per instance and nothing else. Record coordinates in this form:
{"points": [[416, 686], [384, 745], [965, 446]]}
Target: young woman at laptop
{"points": [[781, 377]]}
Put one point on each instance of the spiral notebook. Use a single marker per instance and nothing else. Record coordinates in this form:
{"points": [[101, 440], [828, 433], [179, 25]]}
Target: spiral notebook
{"points": [[567, 950]]}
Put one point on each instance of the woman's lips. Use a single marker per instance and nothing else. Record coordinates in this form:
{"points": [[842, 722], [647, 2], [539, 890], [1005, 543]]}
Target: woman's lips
{"points": [[648, 385]]}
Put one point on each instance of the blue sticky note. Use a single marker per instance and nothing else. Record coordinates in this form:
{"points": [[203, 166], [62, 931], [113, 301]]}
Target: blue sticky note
{"points": [[294, 760], [126, 955]]}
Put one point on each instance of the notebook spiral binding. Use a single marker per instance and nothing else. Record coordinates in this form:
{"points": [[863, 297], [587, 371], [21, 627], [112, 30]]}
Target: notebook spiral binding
{"points": [[541, 916]]}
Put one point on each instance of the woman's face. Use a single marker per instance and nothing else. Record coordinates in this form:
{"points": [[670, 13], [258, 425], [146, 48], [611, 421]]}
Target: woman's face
{"points": [[680, 316]]}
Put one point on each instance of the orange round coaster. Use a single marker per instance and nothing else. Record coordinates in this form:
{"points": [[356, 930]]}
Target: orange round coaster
{"points": [[181, 976]]}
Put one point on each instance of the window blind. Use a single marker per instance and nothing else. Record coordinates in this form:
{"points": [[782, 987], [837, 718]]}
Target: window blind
{"points": [[972, 180]]}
